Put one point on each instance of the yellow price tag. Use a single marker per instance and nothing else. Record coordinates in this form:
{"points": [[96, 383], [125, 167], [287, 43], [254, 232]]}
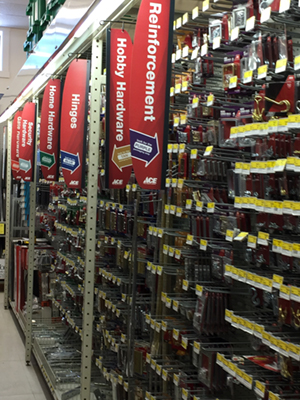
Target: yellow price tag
{"points": [[208, 150], [228, 268], [248, 75], [205, 5], [177, 254], [185, 284], [210, 207], [2, 229], [285, 292], [189, 239], [203, 244], [159, 270], [195, 12], [252, 239], [199, 205], [260, 386], [233, 131], [228, 314], [280, 65], [229, 233], [297, 63], [199, 290], [175, 334], [278, 279], [210, 100], [295, 291], [165, 374], [185, 18], [233, 82], [197, 346], [273, 396], [194, 153], [262, 71]]}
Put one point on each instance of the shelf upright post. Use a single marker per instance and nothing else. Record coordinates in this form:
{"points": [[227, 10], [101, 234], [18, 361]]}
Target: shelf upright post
{"points": [[93, 155], [132, 314], [8, 215], [32, 216]]}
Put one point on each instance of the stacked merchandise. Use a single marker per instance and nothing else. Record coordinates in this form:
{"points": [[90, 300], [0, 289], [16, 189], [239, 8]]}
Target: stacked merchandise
{"points": [[227, 293], [58, 338], [196, 289]]}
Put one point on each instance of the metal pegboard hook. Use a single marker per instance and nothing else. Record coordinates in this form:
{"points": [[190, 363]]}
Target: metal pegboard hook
{"points": [[77, 55], [109, 21]]}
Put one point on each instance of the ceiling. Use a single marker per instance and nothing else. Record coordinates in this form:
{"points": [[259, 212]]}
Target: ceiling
{"points": [[13, 14]]}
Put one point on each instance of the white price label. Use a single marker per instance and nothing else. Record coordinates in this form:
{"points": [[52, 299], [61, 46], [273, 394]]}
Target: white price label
{"points": [[284, 5], [250, 23], [235, 33], [185, 51], [204, 49], [195, 12], [216, 42], [185, 18], [194, 53], [205, 5], [265, 15]]}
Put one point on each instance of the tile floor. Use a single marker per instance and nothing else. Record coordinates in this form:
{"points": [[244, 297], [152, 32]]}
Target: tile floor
{"points": [[17, 381]]}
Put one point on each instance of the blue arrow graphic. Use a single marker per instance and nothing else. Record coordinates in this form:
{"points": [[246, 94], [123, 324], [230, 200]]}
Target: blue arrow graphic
{"points": [[143, 147], [25, 165], [69, 161]]}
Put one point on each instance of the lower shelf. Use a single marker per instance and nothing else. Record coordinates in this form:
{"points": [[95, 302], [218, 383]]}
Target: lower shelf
{"points": [[19, 316], [41, 361], [47, 373], [50, 336]]}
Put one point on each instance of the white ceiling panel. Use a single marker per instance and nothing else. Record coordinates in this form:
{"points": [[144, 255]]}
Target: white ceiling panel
{"points": [[13, 14]]}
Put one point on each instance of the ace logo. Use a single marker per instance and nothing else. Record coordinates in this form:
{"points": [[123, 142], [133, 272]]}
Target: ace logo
{"points": [[118, 182], [150, 181]]}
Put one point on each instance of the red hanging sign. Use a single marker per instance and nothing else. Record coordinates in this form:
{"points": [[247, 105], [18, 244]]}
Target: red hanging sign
{"points": [[73, 124], [27, 142], [49, 130], [15, 145], [118, 156], [150, 92]]}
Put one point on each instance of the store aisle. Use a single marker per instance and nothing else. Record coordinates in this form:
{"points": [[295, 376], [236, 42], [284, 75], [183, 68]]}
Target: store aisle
{"points": [[17, 381]]}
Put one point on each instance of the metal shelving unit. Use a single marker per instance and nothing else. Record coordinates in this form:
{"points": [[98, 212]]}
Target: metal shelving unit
{"points": [[91, 38], [91, 43], [94, 137]]}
